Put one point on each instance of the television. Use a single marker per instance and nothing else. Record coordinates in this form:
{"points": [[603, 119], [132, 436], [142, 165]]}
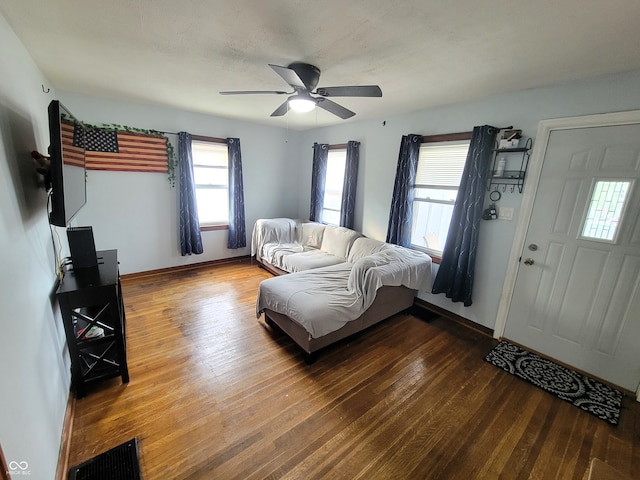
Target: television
{"points": [[67, 170]]}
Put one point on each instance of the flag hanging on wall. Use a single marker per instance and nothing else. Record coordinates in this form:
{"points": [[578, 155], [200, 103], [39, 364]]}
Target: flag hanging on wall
{"points": [[136, 153], [121, 151]]}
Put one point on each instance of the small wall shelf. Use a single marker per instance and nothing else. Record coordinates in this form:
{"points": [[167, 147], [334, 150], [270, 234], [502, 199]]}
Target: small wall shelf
{"points": [[510, 178]]}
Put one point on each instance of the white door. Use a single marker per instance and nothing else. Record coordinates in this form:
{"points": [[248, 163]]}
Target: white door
{"points": [[577, 291]]}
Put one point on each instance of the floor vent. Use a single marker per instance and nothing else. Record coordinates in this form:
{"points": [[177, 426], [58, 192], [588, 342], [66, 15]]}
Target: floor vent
{"points": [[119, 463]]}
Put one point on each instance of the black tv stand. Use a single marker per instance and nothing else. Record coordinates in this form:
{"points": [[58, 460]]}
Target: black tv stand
{"points": [[94, 322]]}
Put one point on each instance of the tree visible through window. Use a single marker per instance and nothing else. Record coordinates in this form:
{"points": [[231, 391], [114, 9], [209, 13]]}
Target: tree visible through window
{"points": [[211, 178], [440, 168]]}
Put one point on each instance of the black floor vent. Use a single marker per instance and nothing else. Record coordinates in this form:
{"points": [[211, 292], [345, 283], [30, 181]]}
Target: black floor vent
{"points": [[119, 463]]}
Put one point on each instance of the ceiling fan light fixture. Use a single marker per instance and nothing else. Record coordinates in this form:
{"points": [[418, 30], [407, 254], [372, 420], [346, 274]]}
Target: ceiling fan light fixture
{"points": [[301, 103]]}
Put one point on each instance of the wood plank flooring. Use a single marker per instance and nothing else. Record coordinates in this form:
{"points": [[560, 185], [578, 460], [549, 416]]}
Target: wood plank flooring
{"points": [[216, 394]]}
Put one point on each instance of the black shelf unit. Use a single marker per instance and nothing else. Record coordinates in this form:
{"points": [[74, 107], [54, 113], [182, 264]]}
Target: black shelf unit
{"points": [[510, 178], [92, 297]]}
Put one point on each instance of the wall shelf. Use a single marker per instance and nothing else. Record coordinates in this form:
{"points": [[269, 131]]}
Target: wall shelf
{"points": [[515, 169]]}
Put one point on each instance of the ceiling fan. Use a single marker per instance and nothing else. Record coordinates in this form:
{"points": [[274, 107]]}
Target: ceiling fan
{"points": [[303, 78]]}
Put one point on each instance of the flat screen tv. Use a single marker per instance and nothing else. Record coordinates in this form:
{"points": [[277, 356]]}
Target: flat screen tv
{"points": [[67, 156]]}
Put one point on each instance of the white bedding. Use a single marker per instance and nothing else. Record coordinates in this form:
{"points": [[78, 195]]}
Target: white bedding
{"points": [[322, 300]]}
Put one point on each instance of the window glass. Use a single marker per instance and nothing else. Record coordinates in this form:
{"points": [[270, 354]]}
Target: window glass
{"points": [[211, 178], [605, 209], [440, 167], [334, 183]]}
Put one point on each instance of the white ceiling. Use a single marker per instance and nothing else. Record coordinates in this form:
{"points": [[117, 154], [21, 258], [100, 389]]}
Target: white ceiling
{"points": [[422, 53]]}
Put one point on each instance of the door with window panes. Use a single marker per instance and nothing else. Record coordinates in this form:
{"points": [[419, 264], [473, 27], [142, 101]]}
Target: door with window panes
{"points": [[577, 291]]}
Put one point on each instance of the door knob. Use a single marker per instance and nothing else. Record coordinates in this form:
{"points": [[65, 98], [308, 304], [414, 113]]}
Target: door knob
{"points": [[529, 261]]}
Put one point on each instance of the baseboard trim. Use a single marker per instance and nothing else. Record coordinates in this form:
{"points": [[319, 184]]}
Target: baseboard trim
{"points": [[65, 439], [430, 307], [181, 268]]}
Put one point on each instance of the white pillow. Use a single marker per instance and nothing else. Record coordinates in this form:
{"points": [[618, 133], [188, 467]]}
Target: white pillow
{"points": [[311, 234], [364, 246], [338, 240]]}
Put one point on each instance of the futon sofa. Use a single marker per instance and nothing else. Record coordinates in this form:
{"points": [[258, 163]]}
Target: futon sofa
{"points": [[331, 281]]}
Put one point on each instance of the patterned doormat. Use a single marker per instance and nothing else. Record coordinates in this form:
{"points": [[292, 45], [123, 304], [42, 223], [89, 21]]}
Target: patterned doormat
{"points": [[594, 397]]}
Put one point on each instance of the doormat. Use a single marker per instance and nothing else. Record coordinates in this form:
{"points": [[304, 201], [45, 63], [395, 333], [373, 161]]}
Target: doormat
{"points": [[119, 463], [594, 397]]}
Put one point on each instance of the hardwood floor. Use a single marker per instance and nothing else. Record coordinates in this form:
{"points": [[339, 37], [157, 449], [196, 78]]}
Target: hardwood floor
{"points": [[216, 394]]}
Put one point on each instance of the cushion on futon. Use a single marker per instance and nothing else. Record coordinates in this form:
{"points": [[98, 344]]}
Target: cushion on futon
{"points": [[298, 262], [338, 240], [310, 234], [364, 246]]}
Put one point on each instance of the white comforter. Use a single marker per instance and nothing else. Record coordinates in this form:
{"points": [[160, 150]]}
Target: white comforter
{"points": [[322, 300]]}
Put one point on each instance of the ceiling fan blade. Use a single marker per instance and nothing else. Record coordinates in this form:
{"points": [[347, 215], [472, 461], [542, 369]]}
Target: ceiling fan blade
{"points": [[256, 92], [289, 76], [350, 91], [281, 110], [333, 107]]}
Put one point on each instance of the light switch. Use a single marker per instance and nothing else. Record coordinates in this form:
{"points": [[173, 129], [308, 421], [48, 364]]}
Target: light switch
{"points": [[505, 213]]}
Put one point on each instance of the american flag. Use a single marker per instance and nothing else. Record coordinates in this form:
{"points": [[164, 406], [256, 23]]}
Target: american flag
{"points": [[96, 140], [71, 154], [136, 152]]}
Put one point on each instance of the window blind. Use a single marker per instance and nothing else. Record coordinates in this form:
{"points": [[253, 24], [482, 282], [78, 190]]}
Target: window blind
{"points": [[210, 154], [441, 165]]}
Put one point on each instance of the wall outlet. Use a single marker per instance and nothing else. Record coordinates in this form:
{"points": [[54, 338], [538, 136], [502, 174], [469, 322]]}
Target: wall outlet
{"points": [[505, 213]]}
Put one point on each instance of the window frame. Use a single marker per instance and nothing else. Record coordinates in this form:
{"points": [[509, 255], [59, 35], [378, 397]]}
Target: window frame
{"points": [[435, 255], [336, 147], [201, 138]]}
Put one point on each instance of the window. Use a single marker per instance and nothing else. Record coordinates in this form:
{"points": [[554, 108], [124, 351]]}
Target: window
{"points": [[334, 184], [608, 200], [211, 178], [440, 168]]}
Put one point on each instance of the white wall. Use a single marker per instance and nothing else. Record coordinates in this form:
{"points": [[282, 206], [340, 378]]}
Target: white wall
{"points": [[379, 153], [34, 365], [137, 213]]}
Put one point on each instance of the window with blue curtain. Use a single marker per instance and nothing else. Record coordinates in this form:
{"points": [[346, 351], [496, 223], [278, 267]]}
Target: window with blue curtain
{"points": [[333, 183], [457, 267], [217, 186]]}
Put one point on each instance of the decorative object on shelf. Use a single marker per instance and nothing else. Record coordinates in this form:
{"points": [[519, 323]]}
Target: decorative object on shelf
{"points": [[510, 139], [500, 166]]}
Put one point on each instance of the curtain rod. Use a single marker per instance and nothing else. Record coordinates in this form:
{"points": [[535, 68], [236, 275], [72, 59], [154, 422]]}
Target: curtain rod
{"points": [[199, 137]]}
